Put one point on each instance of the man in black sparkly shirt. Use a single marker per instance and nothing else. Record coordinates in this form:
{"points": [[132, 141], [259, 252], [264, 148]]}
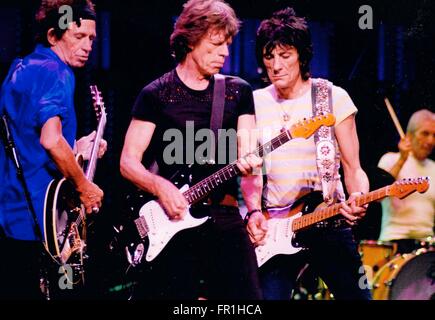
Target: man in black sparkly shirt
{"points": [[215, 260]]}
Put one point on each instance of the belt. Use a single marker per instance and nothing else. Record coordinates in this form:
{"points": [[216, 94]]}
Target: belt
{"points": [[228, 200]]}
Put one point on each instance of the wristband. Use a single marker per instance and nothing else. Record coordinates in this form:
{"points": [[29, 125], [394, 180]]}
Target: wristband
{"points": [[250, 213]]}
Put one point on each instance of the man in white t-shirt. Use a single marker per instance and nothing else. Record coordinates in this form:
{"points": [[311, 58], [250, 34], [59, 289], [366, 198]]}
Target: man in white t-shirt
{"points": [[411, 220], [284, 50]]}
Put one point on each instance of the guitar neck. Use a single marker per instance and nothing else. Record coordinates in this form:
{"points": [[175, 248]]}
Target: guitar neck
{"points": [[203, 188], [92, 164], [322, 214], [273, 144]]}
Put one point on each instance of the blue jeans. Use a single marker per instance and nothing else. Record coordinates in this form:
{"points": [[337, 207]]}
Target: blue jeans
{"points": [[332, 254]]}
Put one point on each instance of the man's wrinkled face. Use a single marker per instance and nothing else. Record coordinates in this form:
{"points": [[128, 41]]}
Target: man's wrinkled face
{"points": [[75, 45], [282, 66], [210, 52], [423, 140]]}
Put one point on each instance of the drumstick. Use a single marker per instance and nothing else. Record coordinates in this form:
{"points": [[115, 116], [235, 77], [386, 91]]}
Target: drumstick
{"points": [[394, 117]]}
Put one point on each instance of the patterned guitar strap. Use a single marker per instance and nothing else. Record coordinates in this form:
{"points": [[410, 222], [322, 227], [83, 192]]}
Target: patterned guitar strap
{"points": [[327, 153]]}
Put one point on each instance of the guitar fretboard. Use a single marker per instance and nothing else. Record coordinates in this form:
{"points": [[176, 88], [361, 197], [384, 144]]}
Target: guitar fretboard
{"points": [[322, 214], [203, 188], [101, 116], [92, 164]]}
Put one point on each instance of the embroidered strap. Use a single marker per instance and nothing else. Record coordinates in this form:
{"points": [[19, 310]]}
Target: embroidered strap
{"points": [[327, 154]]}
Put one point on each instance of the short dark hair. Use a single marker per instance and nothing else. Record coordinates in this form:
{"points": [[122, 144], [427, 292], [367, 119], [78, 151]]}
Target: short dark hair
{"points": [[285, 28], [197, 17], [48, 17]]}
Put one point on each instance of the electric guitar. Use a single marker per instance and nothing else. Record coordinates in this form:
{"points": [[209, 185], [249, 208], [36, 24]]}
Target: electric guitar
{"points": [[152, 223], [281, 235], [64, 214]]}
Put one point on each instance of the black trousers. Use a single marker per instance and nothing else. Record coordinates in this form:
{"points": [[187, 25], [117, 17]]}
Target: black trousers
{"points": [[215, 260], [20, 266]]}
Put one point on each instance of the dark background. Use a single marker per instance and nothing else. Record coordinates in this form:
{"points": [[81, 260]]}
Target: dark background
{"points": [[394, 59]]}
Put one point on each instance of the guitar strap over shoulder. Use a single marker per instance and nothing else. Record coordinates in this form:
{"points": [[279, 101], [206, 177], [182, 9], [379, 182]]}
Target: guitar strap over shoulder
{"points": [[327, 152], [217, 110]]}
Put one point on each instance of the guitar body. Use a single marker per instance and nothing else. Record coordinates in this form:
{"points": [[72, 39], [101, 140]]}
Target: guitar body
{"points": [[64, 238], [149, 228], [280, 238]]}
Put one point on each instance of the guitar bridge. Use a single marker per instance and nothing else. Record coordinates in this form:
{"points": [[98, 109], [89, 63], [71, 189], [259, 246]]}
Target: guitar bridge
{"points": [[141, 227]]}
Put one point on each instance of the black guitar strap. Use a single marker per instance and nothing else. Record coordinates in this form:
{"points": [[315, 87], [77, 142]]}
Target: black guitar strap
{"points": [[11, 151], [217, 111]]}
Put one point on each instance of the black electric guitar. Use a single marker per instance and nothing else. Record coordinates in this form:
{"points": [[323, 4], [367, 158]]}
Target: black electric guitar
{"points": [[64, 214], [310, 209], [152, 223]]}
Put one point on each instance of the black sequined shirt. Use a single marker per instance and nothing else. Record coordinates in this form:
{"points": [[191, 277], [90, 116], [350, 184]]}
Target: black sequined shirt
{"points": [[171, 105]]}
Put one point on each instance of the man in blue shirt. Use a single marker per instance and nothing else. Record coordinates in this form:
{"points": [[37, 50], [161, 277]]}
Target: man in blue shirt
{"points": [[37, 97]]}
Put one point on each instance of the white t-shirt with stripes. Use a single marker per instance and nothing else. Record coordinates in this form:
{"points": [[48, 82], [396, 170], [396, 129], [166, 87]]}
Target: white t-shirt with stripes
{"points": [[291, 169]]}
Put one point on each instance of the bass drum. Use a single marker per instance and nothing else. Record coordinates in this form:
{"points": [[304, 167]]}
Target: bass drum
{"points": [[375, 254], [407, 277]]}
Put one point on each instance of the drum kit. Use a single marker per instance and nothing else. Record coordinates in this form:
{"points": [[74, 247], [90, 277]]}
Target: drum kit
{"points": [[390, 273], [395, 276]]}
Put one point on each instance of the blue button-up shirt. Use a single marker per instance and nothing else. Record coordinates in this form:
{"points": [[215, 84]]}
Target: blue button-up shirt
{"points": [[37, 88]]}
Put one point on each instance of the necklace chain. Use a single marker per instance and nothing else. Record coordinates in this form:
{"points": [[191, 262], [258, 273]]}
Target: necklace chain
{"points": [[285, 115]]}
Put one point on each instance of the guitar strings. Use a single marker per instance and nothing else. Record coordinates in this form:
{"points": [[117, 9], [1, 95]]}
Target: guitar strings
{"points": [[192, 195]]}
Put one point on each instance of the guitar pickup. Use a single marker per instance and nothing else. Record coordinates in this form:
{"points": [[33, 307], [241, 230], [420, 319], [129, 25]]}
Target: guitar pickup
{"points": [[141, 227]]}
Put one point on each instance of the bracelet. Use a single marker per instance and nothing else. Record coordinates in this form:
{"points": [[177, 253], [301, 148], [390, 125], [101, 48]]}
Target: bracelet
{"points": [[250, 213]]}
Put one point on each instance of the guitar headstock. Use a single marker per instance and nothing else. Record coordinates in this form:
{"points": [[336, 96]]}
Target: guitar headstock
{"points": [[305, 128], [98, 102], [403, 188]]}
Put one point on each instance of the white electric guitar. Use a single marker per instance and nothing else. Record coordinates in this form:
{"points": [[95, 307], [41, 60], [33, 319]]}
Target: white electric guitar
{"points": [[280, 237], [152, 223]]}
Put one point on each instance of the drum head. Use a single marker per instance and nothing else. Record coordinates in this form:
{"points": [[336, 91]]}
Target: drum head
{"points": [[416, 279]]}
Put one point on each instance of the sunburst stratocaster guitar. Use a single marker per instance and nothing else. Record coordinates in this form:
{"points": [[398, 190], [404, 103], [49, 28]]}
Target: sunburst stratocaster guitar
{"points": [[280, 237]]}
